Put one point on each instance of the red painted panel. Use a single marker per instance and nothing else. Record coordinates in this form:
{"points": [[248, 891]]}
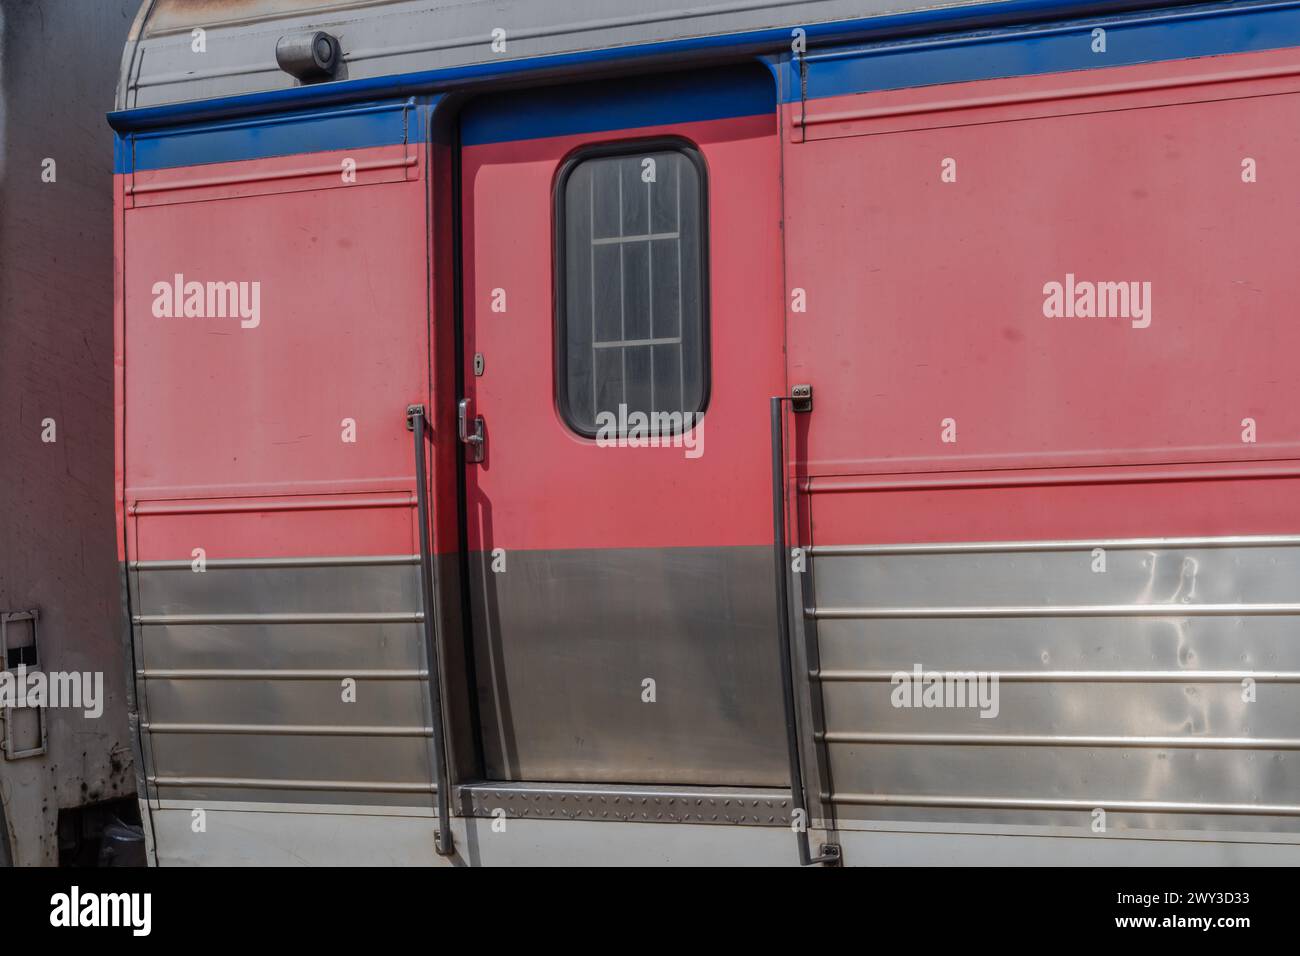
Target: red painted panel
{"points": [[244, 408], [1173, 508], [926, 298], [277, 174], [545, 487], [277, 527], [1050, 94]]}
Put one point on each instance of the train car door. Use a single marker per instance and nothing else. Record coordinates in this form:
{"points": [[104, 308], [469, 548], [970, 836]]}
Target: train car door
{"points": [[622, 334]]}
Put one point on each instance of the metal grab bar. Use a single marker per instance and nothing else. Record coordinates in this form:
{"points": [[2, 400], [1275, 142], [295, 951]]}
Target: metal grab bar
{"points": [[415, 420], [830, 853]]}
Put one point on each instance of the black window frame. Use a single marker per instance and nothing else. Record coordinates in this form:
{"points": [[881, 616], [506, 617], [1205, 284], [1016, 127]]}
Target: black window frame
{"points": [[627, 147]]}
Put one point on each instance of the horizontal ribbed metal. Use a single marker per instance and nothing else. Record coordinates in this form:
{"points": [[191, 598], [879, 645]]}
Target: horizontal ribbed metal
{"points": [[1044, 477], [351, 617], [1064, 544], [1089, 677], [1121, 679], [294, 503], [300, 730], [328, 562], [1026, 803], [1058, 610], [195, 673], [264, 783], [1063, 740]]}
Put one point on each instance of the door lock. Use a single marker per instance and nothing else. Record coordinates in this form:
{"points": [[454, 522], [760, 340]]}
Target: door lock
{"points": [[474, 440]]}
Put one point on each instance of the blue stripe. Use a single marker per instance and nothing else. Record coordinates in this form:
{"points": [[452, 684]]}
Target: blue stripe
{"points": [[122, 152], [406, 84], [354, 127], [650, 101], [1174, 35]]}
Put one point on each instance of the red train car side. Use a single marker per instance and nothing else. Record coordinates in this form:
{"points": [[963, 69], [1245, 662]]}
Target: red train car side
{"points": [[636, 441]]}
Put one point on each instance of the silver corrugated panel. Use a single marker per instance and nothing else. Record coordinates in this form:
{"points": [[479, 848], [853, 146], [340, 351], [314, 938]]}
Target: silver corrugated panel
{"points": [[241, 674], [1123, 689], [387, 37]]}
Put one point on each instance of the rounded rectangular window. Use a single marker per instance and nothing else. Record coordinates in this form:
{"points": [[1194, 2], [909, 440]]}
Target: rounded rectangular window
{"points": [[631, 288]]}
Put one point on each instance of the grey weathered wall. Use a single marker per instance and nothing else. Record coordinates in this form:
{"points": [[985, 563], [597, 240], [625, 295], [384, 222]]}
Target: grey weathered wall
{"points": [[59, 62]]}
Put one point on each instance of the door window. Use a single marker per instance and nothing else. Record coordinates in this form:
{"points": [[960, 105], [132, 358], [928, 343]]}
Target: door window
{"points": [[631, 283]]}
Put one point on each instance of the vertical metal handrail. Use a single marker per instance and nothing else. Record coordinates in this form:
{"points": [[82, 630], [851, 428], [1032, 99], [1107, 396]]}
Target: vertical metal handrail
{"points": [[799, 811], [416, 422]]}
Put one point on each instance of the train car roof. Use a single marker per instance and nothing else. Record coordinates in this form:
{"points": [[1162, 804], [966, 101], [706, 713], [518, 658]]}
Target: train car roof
{"points": [[431, 44]]}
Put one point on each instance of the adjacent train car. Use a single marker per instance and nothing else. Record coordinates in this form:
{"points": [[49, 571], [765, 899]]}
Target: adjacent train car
{"points": [[65, 772], [773, 433]]}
